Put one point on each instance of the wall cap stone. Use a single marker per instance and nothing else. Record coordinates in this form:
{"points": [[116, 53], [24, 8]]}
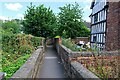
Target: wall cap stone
{"points": [[88, 53], [83, 72]]}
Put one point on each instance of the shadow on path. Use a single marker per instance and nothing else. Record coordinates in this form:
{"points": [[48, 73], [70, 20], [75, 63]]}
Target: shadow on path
{"points": [[52, 66]]}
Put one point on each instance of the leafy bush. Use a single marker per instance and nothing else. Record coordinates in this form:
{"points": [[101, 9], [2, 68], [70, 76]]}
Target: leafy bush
{"points": [[16, 49], [20, 43], [11, 68], [11, 26], [69, 44], [36, 41]]}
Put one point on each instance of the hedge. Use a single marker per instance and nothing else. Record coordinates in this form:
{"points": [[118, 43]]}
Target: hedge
{"points": [[16, 49]]}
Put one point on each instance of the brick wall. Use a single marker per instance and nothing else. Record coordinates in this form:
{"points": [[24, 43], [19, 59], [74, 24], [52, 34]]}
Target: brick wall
{"points": [[74, 69], [119, 24], [113, 26]]}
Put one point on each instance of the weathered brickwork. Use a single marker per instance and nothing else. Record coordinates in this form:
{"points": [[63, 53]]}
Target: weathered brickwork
{"points": [[113, 26], [119, 24], [74, 69]]}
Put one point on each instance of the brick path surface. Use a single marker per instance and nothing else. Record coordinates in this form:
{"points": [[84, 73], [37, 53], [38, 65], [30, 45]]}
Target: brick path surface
{"points": [[52, 66]]}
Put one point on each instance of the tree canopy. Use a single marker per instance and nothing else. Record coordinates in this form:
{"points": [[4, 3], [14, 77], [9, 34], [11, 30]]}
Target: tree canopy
{"points": [[70, 21], [39, 21], [11, 26]]}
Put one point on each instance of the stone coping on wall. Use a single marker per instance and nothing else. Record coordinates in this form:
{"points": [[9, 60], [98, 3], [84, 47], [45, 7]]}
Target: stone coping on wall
{"points": [[110, 53], [30, 68], [66, 49], [88, 53], [102, 53], [83, 72]]}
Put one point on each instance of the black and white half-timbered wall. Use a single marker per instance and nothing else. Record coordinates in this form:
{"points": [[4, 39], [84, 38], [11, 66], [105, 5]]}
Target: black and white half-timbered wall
{"points": [[101, 25], [98, 23]]}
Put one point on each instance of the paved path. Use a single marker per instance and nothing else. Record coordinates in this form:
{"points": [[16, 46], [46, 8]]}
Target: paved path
{"points": [[52, 67]]}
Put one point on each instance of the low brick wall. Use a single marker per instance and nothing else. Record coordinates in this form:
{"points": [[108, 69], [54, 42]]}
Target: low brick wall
{"points": [[32, 65], [74, 69]]}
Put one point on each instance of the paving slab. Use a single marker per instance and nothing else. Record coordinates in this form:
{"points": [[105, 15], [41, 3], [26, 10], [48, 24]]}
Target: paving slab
{"points": [[52, 66]]}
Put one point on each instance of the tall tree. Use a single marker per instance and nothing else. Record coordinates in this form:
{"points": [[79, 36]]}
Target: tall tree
{"points": [[39, 21], [11, 26], [70, 21]]}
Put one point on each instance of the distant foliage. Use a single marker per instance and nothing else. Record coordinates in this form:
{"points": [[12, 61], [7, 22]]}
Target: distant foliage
{"points": [[84, 32], [11, 26], [71, 23], [39, 21]]}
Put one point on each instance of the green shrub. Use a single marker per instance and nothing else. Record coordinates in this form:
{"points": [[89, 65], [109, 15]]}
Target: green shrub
{"points": [[36, 41], [20, 43], [12, 68], [25, 49], [69, 44], [16, 49]]}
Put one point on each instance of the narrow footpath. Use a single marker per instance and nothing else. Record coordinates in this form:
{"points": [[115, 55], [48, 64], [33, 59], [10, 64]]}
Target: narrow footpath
{"points": [[52, 66]]}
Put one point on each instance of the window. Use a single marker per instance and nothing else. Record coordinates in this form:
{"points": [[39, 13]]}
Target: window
{"points": [[96, 18], [94, 38]]}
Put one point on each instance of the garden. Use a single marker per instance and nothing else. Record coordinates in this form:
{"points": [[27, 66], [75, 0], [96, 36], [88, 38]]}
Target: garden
{"points": [[103, 66]]}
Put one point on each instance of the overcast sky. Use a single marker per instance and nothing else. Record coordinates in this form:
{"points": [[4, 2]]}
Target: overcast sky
{"points": [[16, 8]]}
